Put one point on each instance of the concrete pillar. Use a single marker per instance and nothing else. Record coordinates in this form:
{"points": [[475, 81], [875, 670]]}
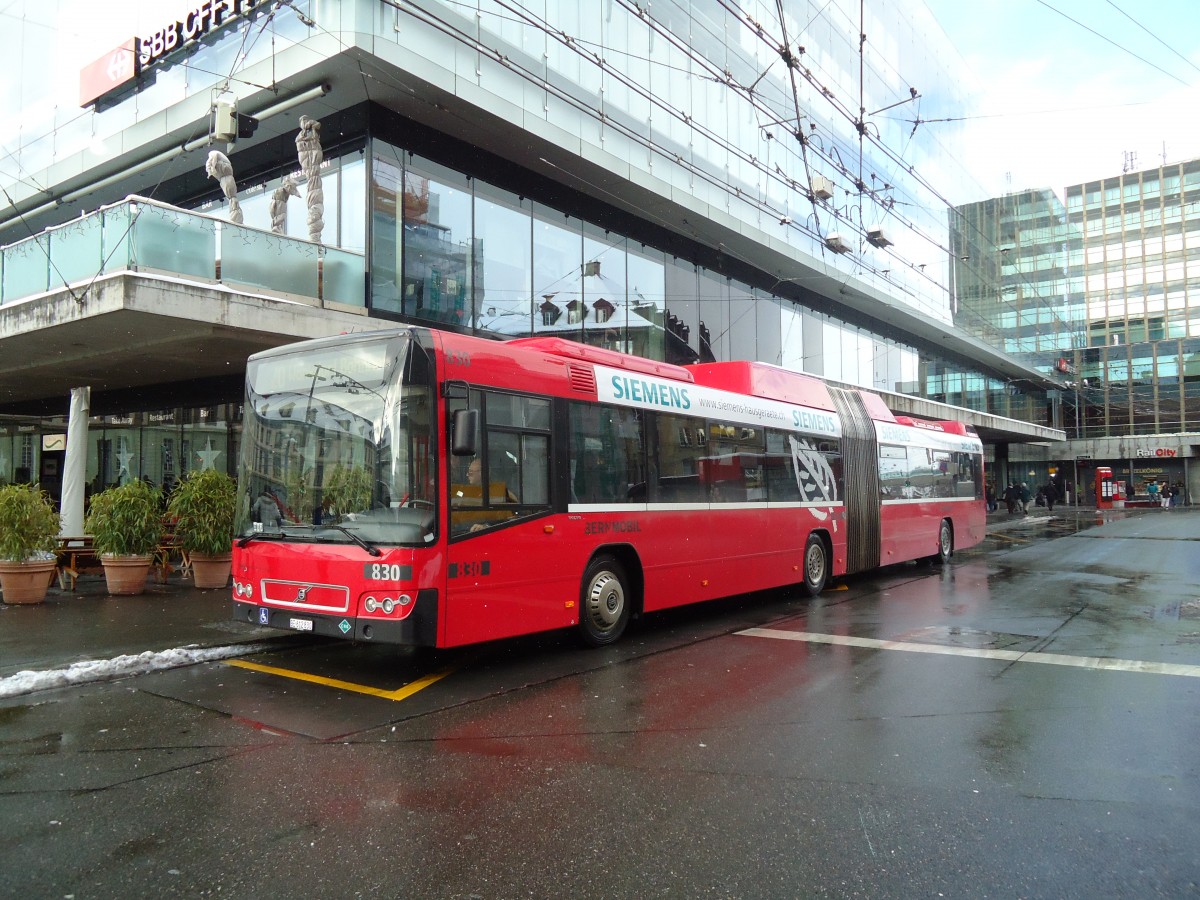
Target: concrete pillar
{"points": [[74, 478], [1000, 472]]}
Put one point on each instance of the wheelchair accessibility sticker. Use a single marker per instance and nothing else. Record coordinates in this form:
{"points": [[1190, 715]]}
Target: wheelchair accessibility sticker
{"points": [[263, 615]]}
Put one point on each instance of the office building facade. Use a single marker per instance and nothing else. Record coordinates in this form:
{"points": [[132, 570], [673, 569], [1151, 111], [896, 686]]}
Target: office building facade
{"points": [[1123, 264], [684, 181]]}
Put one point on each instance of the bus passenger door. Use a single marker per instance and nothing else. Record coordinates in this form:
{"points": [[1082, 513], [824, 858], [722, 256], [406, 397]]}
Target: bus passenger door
{"points": [[504, 576]]}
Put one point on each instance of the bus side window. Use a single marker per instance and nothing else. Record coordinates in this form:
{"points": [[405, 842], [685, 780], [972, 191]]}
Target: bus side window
{"points": [[607, 454], [504, 472]]}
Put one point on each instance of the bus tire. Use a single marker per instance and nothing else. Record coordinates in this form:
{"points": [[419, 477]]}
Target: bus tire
{"points": [[816, 565], [945, 548], [604, 602]]}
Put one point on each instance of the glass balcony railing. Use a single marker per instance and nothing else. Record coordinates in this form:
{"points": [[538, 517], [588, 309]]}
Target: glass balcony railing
{"points": [[140, 235]]}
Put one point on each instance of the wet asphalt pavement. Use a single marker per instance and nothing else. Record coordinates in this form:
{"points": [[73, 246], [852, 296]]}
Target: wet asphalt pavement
{"points": [[1019, 723]]}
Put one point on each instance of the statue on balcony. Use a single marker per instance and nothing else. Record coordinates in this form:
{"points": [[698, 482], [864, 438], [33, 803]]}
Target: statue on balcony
{"points": [[220, 168], [278, 206], [308, 149]]}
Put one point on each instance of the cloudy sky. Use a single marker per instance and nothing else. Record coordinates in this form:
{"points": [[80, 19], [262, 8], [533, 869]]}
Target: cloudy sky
{"points": [[1069, 87]]}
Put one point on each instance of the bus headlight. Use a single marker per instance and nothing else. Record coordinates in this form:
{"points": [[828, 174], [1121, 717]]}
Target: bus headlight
{"points": [[389, 606], [371, 605]]}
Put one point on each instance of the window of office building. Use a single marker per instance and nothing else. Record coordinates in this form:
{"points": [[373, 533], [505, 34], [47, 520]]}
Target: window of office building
{"points": [[557, 272], [503, 245], [604, 313], [665, 337], [437, 235]]}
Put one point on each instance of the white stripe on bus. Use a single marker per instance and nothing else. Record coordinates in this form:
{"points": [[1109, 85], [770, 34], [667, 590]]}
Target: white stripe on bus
{"points": [[692, 507]]}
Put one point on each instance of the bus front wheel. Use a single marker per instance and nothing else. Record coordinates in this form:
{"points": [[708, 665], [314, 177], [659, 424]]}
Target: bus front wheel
{"points": [[816, 565], [604, 601]]}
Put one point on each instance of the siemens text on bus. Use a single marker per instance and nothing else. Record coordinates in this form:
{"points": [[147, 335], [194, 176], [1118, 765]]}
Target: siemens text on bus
{"points": [[813, 421], [648, 392]]}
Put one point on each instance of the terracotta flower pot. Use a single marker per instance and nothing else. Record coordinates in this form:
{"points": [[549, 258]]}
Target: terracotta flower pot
{"points": [[26, 582], [211, 570], [126, 575]]}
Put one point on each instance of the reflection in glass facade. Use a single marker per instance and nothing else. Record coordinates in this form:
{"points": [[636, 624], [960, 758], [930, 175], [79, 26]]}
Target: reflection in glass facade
{"points": [[452, 250], [1010, 273], [160, 446], [1010, 288]]}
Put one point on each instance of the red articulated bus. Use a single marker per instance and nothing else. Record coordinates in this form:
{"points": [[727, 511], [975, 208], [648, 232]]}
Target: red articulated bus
{"points": [[412, 486]]}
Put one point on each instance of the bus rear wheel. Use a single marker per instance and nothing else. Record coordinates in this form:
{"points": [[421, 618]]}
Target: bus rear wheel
{"points": [[816, 565], [604, 602], [945, 544]]}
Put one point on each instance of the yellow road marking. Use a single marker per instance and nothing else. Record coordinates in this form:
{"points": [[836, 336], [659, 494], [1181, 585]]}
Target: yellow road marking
{"points": [[1050, 659], [399, 694]]}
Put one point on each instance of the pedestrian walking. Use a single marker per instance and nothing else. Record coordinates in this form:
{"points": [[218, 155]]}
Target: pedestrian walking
{"points": [[1026, 497], [1011, 498], [1165, 494], [1050, 493]]}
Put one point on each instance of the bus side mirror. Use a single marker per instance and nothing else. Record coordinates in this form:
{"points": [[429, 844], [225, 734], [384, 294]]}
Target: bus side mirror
{"points": [[466, 433]]}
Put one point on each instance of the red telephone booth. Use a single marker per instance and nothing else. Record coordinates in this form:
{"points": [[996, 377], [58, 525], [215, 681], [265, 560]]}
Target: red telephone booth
{"points": [[1110, 491]]}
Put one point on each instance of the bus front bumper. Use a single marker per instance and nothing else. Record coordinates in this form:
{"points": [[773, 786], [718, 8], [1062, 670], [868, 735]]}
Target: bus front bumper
{"points": [[418, 629]]}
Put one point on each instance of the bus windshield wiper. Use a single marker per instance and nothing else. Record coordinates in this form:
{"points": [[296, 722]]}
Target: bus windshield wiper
{"points": [[279, 535], [261, 536], [282, 535], [362, 542]]}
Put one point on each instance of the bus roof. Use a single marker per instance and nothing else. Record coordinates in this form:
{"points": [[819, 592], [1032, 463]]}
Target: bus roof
{"points": [[763, 380], [601, 356]]}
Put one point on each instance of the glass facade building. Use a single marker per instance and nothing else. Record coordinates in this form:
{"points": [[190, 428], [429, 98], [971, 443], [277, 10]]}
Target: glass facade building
{"points": [[1116, 270], [687, 181], [1138, 270]]}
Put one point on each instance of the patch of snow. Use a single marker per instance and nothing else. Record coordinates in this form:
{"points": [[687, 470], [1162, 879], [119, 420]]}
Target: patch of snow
{"points": [[28, 681]]}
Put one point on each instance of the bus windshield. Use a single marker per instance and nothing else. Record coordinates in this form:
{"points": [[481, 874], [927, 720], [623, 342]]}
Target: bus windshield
{"points": [[336, 444]]}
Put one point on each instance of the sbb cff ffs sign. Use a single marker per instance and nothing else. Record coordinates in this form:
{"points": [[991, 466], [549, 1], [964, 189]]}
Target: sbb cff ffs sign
{"points": [[203, 19], [115, 72]]}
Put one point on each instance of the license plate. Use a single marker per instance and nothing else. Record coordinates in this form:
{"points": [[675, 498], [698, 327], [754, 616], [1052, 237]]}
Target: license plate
{"points": [[300, 624]]}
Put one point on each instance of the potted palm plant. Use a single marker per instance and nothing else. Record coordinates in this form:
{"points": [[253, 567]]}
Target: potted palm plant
{"points": [[202, 506], [125, 523], [28, 537]]}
